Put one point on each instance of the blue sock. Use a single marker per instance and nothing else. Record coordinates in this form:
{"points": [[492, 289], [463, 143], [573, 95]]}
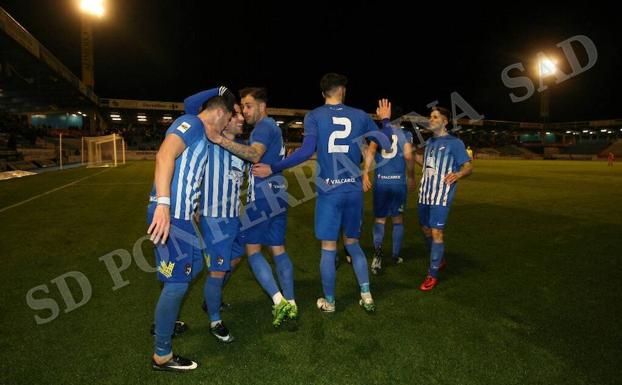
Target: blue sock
{"points": [[263, 272], [359, 262], [285, 273], [398, 235], [328, 273], [365, 288], [436, 255], [378, 234], [166, 313], [213, 296]]}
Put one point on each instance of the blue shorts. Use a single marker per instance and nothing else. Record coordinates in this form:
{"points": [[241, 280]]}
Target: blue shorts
{"points": [[221, 241], [433, 216], [180, 259], [389, 200], [262, 224], [338, 211]]}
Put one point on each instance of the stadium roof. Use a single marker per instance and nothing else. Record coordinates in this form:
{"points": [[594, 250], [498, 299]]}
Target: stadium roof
{"points": [[32, 78]]}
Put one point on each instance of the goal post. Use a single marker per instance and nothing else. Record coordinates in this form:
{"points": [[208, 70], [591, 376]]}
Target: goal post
{"points": [[104, 151]]}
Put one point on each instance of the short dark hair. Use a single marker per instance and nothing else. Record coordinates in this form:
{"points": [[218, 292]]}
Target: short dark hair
{"points": [[224, 101], [332, 80], [258, 93], [443, 111]]}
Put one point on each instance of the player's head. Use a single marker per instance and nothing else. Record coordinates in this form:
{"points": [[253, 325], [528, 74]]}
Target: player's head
{"points": [[236, 123], [254, 101], [218, 110], [439, 118], [333, 85]]}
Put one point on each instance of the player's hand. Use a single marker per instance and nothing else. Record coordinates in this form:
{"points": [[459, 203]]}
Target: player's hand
{"points": [[384, 109], [262, 170], [160, 225], [411, 185], [452, 177], [366, 183]]}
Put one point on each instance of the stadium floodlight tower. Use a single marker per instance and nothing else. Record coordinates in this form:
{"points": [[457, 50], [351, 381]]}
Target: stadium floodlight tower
{"points": [[90, 9], [546, 68]]}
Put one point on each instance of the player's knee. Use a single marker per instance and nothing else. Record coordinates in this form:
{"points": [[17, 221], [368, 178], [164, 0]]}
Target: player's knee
{"points": [[252, 249], [381, 220], [350, 241], [330, 245], [217, 274], [437, 235], [277, 250], [235, 263], [426, 231], [399, 219]]}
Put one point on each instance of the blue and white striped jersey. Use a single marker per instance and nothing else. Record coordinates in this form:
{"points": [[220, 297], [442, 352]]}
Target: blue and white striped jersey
{"points": [[224, 173], [443, 155], [189, 166]]}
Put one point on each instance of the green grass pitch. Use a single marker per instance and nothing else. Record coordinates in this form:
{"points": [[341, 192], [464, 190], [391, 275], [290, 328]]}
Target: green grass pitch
{"points": [[532, 293]]}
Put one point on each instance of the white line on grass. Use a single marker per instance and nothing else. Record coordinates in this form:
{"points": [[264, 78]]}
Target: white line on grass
{"points": [[51, 191]]}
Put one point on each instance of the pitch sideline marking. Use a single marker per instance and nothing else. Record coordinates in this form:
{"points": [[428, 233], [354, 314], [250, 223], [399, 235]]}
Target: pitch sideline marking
{"points": [[50, 191]]}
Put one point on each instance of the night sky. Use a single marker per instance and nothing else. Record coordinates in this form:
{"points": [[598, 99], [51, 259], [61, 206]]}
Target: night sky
{"points": [[167, 50]]}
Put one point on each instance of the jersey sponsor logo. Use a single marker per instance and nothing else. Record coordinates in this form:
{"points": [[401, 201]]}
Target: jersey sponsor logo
{"points": [[389, 177], [166, 269], [332, 182], [183, 127], [276, 186]]}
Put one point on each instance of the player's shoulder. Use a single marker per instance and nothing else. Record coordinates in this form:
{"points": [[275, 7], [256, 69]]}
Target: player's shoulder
{"points": [[267, 123], [185, 123], [451, 138]]}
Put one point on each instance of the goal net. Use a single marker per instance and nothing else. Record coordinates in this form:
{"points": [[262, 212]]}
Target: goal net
{"points": [[103, 151]]}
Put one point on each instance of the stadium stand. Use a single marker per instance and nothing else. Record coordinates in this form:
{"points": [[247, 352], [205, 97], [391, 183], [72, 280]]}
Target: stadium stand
{"points": [[615, 148]]}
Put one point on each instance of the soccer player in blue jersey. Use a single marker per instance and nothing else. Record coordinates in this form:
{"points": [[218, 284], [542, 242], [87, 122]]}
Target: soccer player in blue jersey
{"points": [[337, 132], [180, 163], [394, 175], [444, 161], [265, 219]]}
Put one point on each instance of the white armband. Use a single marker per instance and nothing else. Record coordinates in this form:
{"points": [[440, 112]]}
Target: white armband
{"points": [[164, 201]]}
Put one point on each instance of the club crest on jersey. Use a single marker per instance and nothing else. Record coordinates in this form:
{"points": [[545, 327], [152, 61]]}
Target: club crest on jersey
{"points": [[166, 269], [183, 127], [188, 269], [220, 260]]}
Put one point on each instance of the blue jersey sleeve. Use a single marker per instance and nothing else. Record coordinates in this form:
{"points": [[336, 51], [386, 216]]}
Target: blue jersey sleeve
{"points": [[408, 137], [310, 123], [459, 153], [382, 137], [193, 103], [305, 152], [188, 128], [263, 134]]}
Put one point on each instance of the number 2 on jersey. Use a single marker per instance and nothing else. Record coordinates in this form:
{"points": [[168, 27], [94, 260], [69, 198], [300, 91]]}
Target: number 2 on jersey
{"points": [[342, 134]]}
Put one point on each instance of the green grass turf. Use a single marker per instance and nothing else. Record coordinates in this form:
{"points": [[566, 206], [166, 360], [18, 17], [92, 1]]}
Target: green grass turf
{"points": [[531, 295]]}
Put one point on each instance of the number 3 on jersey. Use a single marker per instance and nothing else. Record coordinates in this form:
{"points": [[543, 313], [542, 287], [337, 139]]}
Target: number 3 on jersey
{"points": [[341, 134], [391, 154]]}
